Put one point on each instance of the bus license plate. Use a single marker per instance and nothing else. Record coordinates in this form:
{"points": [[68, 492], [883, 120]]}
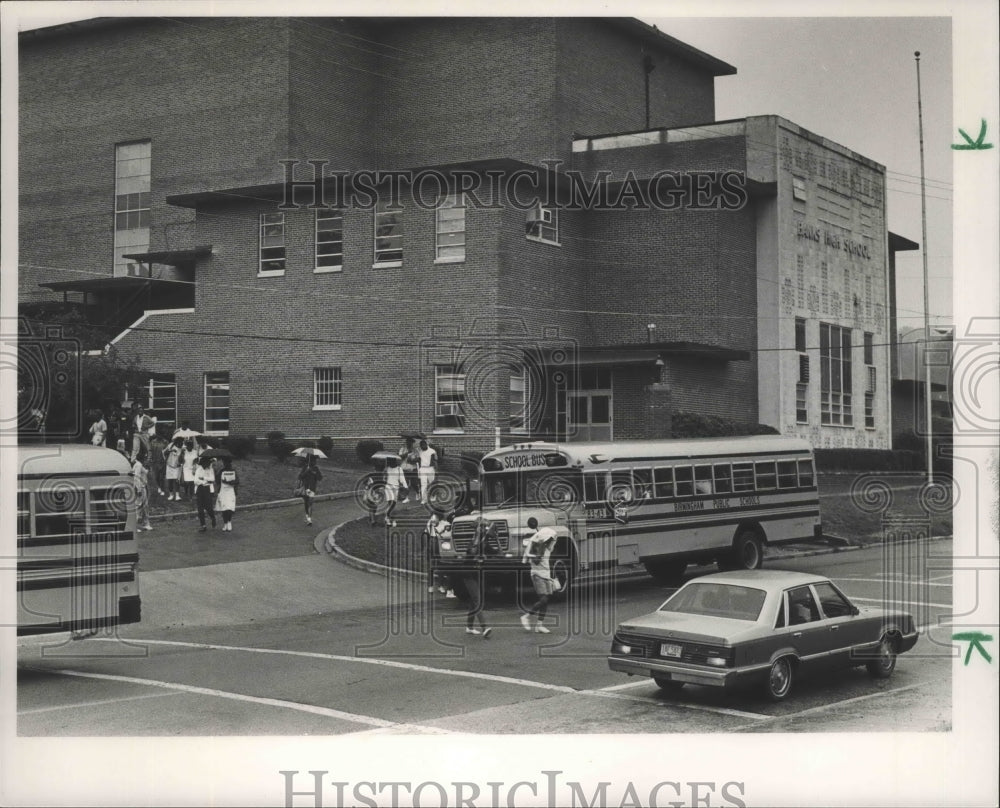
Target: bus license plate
{"points": [[670, 650]]}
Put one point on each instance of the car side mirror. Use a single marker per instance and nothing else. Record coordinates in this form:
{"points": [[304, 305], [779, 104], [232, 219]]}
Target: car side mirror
{"points": [[855, 611]]}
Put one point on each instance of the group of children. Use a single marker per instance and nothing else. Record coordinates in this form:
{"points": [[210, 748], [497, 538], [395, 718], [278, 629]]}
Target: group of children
{"points": [[190, 470]]}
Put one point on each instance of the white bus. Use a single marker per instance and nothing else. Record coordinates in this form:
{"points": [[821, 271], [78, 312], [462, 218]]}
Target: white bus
{"points": [[76, 547], [661, 503]]}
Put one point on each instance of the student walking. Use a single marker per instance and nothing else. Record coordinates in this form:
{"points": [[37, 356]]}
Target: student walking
{"points": [[472, 578], [537, 555], [428, 466], [395, 485], [99, 430], [172, 455], [229, 482], [204, 486], [189, 464], [140, 479], [308, 482]]}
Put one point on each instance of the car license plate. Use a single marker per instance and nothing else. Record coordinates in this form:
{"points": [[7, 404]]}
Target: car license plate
{"points": [[670, 650]]}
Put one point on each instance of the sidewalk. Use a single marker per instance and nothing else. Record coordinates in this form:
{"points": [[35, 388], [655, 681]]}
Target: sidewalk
{"points": [[271, 566]]}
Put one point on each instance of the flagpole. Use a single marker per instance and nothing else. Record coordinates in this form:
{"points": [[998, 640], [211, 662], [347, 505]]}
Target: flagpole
{"points": [[927, 316]]}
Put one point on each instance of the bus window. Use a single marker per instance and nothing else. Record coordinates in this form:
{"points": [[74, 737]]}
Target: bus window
{"points": [[787, 477], [108, 508], [59, 511], [806, 473], [663, 480], [766, 477], [703, 479], [723, 479], [621, 486], [596, 486], [684, 475], [742, 477], [642, 480]]}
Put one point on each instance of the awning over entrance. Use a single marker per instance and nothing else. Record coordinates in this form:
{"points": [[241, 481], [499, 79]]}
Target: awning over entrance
{"points": [[173, 258], [647, 353]]}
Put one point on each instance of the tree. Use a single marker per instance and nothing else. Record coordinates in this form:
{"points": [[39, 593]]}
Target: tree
{"points": [[62, 383]]}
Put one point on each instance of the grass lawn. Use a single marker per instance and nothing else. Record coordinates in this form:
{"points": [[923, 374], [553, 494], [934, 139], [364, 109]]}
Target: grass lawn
{"points": [[262, 479], [851, 516]]}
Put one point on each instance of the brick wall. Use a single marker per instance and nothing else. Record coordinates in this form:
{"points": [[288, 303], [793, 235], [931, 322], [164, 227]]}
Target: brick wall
{"points": [[211, 95]]}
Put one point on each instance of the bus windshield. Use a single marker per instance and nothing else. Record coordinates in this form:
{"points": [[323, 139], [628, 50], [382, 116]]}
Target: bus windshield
{"points": [[545, 487]]}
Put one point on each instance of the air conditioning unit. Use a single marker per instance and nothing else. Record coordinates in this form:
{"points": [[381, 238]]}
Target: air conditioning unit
{"points": [[540, 216]]}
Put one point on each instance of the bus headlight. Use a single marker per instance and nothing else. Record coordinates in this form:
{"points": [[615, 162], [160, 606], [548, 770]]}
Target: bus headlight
{"points": [[446, 545]]}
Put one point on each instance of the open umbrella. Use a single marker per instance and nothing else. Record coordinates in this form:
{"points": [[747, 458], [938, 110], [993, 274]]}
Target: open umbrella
{"points": [[186, 433], [385, 456], [302, 451], [412, 433], [219, 453]]}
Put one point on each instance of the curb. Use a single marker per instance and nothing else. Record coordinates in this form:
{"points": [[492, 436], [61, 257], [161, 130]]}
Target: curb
{"points": [[331, 547], [254, 506]]}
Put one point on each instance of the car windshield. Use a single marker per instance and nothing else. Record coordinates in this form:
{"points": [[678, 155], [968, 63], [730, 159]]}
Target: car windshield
{"points": [[717, 600]]}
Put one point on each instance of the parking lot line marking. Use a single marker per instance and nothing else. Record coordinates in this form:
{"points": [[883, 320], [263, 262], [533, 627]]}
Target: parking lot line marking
{"points": [[831, 705], [82, 704], [904, 600], [327, 712], [886, 580], [628, 685], [699, 707], [388, 663]]}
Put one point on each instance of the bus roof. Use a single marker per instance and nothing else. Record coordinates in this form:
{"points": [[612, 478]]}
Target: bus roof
{"points": [[641, 450], [69, 459]]}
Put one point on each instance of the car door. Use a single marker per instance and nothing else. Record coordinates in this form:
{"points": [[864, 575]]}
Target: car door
{"points": [[845, 629], [807, 631]]}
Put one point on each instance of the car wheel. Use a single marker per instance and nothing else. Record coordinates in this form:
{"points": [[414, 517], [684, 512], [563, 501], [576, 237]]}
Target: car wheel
{"points": [[883, 666], [779, 679], [669, 685], [666, 571]]}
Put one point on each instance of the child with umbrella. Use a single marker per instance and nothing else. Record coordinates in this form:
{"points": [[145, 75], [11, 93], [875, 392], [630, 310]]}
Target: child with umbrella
{"points": [[308, 479]]}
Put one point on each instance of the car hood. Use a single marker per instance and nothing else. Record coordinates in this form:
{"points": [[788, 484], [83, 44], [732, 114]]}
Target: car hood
{"points": [[698, 627]]}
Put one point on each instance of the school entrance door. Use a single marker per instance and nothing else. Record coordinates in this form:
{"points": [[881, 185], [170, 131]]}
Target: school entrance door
{"points": [[589, 415]]}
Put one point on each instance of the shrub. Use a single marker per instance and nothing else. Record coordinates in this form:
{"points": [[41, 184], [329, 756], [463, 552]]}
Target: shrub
{"points": [[696, 425], [325, 445], [366, 448], [279, 448], [868, 460], [241, 446]]}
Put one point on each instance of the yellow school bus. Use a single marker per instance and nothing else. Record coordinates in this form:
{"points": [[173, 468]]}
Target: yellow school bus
{"points": [[663, 504], [76, 547]]}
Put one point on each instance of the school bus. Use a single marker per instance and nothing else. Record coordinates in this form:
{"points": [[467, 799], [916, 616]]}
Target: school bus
{"points": [[663, 504], [76, 549]]}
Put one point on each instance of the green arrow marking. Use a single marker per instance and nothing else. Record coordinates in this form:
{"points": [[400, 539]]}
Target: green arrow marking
{"points": [[975, 640], [971, 144]]}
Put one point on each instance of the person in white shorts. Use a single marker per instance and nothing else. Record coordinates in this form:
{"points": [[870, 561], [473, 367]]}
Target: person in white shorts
{"points": [[537, 554]]}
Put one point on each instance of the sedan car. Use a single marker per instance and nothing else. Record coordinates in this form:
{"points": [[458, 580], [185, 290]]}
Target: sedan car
{"points": [[758, 627]]}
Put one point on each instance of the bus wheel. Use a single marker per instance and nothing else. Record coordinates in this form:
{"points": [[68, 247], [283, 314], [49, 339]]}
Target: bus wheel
{"points": [[747, 552], [666, 571]]}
